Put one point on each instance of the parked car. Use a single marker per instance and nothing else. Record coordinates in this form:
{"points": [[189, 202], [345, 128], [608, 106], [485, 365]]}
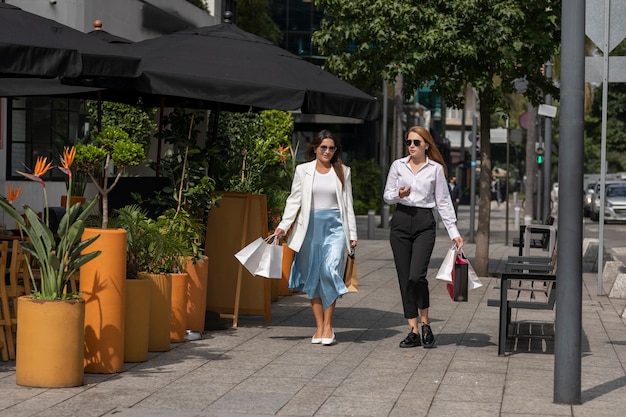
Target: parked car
{"points": [[615, 203], [594, 213]]}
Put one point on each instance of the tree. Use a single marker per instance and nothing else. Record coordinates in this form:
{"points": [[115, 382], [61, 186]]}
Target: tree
{"points": [[254, 16], [486, 43]]}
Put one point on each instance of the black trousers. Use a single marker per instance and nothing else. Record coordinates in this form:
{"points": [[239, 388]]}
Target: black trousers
{"points": [[412, 238]]}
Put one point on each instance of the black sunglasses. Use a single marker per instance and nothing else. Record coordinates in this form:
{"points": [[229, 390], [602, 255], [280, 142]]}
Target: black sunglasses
{"points": [[415, 142], [325, 148]]}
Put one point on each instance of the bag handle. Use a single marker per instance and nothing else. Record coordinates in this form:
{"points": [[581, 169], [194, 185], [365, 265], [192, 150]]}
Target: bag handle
{"points": [[272, 239]]}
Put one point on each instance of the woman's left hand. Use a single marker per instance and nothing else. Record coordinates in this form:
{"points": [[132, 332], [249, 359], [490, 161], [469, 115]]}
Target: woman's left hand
{"points": [[353, 244], [459, 242]]}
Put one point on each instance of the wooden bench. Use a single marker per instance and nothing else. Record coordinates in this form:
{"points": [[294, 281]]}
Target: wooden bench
{"points": [[529, 282]]}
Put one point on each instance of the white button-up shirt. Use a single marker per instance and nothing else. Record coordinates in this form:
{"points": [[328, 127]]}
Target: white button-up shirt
{"points": [[429, 189]]}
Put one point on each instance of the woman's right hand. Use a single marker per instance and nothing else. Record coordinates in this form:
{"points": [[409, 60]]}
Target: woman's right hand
{"points": [[404, 192], [279, 232]]}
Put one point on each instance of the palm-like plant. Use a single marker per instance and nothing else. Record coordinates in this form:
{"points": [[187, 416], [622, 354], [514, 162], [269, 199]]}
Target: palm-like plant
{"points": [[59, 257]]}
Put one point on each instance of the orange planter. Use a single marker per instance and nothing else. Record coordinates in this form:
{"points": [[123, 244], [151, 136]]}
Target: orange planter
{"points": [[137, 320], [50, 350], [178, 315], [103, 287], [160, 311], [196, 293], [283, 284]]}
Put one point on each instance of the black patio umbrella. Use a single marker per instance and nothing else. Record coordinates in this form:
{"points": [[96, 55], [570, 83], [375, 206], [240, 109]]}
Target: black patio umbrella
{"points": [[33, 46], [226, 65]]}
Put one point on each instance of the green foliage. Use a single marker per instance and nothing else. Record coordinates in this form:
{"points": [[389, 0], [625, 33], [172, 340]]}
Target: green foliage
{"points": [[248, 153], [366, 185], [111, 146], [152, 246], [199, 4], [250, 158], [134, 120], [179, 225], [192, 189], [449, 43], [615, 130], [254, 16], [58, 258]]}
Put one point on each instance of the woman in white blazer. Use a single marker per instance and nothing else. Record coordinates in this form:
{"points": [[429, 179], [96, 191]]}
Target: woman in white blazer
{"points": [[324, 228]]}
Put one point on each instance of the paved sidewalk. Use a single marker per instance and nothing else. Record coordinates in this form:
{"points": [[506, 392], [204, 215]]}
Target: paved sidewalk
{"points": [[261, 369]]}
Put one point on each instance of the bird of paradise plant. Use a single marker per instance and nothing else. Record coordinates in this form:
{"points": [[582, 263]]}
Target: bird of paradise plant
{"points": [[58, 257]]}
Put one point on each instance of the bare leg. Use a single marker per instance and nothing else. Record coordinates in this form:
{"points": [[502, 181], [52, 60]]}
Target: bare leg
{"points": [[413, 324], [318, 314], [424, 314], [328, 321]]}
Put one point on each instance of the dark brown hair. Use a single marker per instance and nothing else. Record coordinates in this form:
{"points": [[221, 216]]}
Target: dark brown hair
{"points": [[336, 161], [432, 152]]}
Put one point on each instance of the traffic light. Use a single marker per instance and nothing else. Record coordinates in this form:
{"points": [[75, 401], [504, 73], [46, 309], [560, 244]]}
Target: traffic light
{"points": [[540, 151]]}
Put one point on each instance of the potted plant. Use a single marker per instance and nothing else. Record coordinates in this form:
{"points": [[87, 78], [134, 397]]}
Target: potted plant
{"points": [[186, 202], [249, 169], [188, 307], [50, 320], [103, 282], [140, 234]]}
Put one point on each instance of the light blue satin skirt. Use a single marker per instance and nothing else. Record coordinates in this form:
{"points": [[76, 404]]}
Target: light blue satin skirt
{"points": [[317, 270]]}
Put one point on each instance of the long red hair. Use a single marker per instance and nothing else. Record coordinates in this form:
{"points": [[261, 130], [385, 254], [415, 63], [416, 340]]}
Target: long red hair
{"points": [[432, 152]]}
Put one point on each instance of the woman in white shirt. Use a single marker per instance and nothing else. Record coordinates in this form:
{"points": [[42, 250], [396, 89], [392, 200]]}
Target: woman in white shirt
{"points": [[324, 228], [416, 184]]}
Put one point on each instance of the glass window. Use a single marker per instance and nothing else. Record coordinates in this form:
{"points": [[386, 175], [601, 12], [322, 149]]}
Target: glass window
{"points": [[41, 126]]}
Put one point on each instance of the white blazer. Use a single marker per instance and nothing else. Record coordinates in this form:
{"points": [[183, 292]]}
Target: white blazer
{"points": [[298, 205]]}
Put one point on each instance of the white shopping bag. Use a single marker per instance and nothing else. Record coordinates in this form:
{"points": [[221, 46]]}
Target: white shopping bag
{"points": [[271, 263], [447, 266], [261, 257]]}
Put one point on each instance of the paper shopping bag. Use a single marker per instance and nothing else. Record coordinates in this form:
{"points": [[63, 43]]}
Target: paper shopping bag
{"points": [[447, 266], [458, 288], [463, 278], [250, 256], [350, 277], [271, 263]]}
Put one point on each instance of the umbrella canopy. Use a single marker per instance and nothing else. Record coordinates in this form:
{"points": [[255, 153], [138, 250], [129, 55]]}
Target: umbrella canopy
{"points": [[31, 45], [224, 64]]}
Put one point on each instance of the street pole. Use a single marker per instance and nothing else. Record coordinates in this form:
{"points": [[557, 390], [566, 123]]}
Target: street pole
{"points": [[567, 346], [384, 213], [547, 140], [508, 176]]}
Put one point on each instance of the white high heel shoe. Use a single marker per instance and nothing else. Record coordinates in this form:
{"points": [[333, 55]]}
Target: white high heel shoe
{"points": [[329, 341]]}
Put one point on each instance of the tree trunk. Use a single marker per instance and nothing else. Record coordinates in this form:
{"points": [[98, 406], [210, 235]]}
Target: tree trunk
{"points": [[481, 261], [397, 143], [531, 163]]}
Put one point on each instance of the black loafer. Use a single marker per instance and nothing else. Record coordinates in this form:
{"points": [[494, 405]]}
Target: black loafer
{"points": [[428, 340], [412, 340]]}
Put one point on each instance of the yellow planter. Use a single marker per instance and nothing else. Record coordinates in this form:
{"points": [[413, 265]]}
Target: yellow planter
{"points": [[50, 351], [178, 312], [137, 320], [196, 293], [103, 287], [160, 311]]}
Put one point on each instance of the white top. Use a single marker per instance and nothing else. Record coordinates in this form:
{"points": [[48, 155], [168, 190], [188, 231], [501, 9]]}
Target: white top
{"points": [[324, 193], [429, 189]]}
